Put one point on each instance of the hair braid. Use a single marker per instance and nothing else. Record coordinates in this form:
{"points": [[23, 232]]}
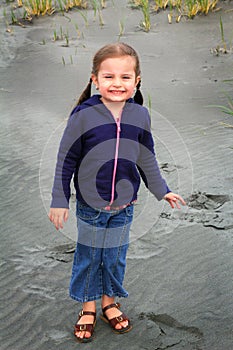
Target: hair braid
{"points": [[138, 98], [85, 94]]}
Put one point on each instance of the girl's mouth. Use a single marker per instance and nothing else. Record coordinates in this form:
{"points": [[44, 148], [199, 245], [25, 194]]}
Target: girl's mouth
{"points": [[116, 92]]}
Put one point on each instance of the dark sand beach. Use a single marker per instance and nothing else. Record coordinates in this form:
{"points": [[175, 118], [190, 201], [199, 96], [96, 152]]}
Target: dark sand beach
{"points": [[180, 265]]}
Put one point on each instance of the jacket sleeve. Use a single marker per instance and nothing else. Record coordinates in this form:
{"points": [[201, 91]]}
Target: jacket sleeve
{"points": [[148, 165], [68, 155]]}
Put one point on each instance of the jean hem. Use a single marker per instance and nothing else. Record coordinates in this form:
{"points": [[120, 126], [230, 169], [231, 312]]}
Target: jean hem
{"points": [[97, 297], [118, 295], [84, 300]]}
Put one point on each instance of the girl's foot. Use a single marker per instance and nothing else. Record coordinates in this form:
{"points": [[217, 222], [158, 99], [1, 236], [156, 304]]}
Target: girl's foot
{"points": [[114, 312], [84, 327]]}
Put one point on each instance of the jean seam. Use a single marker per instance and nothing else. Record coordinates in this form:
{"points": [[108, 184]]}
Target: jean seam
{"points": [[90, 267], [120, 245]]}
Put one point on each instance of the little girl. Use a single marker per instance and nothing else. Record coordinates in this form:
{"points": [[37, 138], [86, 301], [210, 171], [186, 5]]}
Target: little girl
{"points": [[106, 146]]}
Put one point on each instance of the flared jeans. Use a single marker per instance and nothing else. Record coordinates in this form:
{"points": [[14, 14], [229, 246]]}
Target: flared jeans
{"points": [[100, 256]]}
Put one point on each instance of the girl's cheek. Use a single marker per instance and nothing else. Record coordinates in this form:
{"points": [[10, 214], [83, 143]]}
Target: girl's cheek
{"points": [[105, 83]]}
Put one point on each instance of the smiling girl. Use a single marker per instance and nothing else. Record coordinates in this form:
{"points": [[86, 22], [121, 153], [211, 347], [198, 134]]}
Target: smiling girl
{"points": [[107, 146]]}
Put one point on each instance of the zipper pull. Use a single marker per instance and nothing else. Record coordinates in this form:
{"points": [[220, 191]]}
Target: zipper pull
{"points": [[118, 125]]}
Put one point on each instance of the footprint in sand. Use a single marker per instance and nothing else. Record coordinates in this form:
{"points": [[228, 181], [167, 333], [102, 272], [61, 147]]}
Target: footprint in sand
{"points": [[210, 210], [172, 333]]}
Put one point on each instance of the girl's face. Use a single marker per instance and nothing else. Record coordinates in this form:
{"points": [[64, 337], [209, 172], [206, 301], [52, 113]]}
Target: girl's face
{"points": [[116, 79]]}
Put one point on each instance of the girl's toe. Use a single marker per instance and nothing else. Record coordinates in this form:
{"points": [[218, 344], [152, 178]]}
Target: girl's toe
{"points": [[118, 326], [124, 324]]}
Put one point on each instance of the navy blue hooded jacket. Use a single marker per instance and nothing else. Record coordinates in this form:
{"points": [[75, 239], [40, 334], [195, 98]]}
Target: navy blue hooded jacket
{"points": [[88, 152]]}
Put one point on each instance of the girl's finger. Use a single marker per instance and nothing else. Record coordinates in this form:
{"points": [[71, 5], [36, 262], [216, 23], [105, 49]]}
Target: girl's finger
{"points": [[181, 200], [170, 201], [66, 214]]}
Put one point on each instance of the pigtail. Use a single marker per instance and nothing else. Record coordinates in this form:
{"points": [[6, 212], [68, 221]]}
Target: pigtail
{"points": [[86, 94], [138, 98]]}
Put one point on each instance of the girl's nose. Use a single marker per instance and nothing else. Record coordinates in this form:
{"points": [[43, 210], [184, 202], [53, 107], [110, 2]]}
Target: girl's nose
{"points": [[117, 81]]}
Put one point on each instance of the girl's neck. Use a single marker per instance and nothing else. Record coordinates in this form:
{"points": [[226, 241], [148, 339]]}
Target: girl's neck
{"points": [[115, 108]]}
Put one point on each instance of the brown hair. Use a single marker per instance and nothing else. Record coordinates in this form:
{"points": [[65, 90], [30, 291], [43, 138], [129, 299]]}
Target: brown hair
{"points": [[110, 51]]}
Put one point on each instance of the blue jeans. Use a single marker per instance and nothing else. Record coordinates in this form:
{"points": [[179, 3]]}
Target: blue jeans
{"points": [[100, 255]]}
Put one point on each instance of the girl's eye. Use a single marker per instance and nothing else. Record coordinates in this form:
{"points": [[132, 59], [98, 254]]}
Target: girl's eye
{"points": [[108, 77], [126, 77]]}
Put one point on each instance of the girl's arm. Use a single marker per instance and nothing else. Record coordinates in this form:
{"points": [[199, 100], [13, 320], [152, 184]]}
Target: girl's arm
{"points": [[150, 171], [68, 155]]}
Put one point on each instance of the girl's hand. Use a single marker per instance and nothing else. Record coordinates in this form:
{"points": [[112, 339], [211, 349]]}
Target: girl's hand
{"points": [[173, 199], [57, 216]]}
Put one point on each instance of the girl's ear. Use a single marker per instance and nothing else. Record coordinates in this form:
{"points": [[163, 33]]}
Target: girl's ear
{"points": [[94, 80], [138, 78]]}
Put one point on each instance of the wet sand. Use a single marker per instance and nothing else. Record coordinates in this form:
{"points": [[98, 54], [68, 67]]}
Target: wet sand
{"points": [[180, 265]]}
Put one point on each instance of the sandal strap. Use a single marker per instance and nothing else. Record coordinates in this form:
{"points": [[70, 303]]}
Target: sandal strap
{"points": [[88, 327], [90, 313], [84, 327], [117, 305], [114, 321]]}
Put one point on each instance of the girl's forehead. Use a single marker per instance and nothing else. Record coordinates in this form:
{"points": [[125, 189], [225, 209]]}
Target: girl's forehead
{"points": [[123, 62]]}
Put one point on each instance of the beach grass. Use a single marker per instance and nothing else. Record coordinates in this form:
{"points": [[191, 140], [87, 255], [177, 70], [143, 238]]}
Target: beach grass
{"points": [[42, 7], [207, 5], [144, 5], [225, 46], [37, 7], [97, 7], [185, 8], [229, 108], [177, 9], [121, 28], [84, 16], [222, 35], [48, 7]]}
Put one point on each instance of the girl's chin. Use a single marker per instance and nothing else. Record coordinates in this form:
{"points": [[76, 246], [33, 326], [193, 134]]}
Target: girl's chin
{"points": [[116, 97]]}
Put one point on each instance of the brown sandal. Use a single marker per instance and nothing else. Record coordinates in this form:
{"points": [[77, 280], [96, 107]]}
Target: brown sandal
{"points": [[113, 321], [85, 327]]}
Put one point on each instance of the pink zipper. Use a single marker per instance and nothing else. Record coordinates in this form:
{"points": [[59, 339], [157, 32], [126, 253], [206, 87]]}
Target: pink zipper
{"points": [[118, 123]]}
